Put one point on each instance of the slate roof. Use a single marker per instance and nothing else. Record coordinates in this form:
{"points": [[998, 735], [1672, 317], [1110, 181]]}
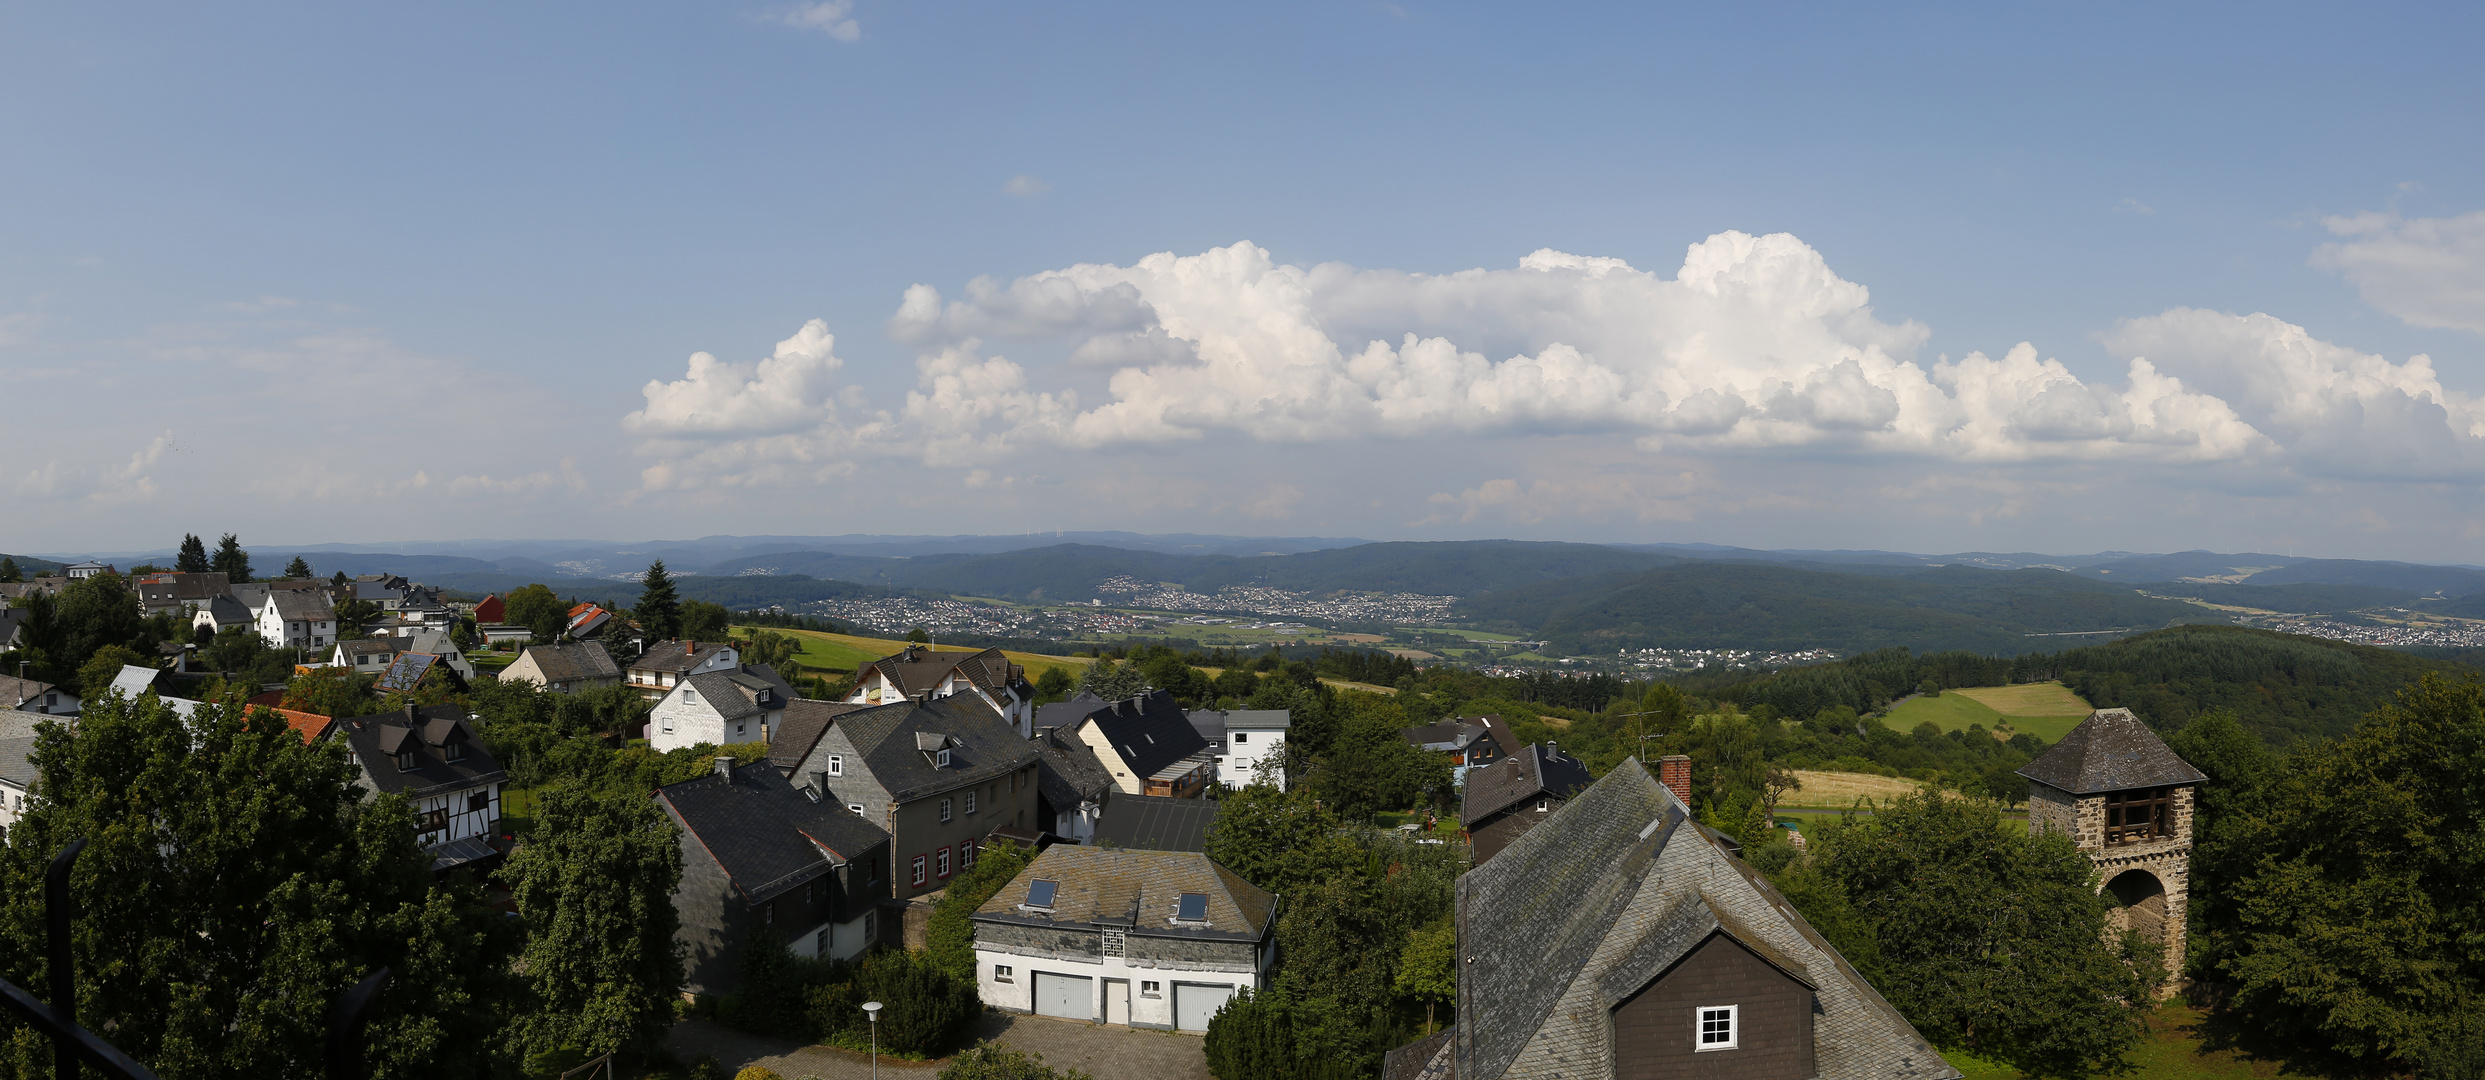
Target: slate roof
{"points": [[1135, 891], [982, 745], [1150, 731], [9, 619], [372, 738], [1067, 772], [1457, 733], [14, 764], [378, 646], [1067, 714], [676, 655], [582, 660], [920, 668], [766, 835], [1423, 1059], [805, 721], [168, 589], [308, 605], [229, 611], [736, 694], [1537, 767], [1156, 823], [14, 690], [2110, 751], [1605, 894]]}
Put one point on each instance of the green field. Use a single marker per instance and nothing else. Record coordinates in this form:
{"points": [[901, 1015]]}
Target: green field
{"points": [[2173, 1049], [846, 652], [1471, 635], [2046, 710]]}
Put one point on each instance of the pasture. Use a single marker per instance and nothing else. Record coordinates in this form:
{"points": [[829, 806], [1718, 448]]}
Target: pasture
{"points": [[1839, 790], [846, 652], [2047, 710]]}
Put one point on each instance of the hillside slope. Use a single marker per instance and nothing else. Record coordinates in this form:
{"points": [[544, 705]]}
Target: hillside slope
{"points": [[1762, 606]]}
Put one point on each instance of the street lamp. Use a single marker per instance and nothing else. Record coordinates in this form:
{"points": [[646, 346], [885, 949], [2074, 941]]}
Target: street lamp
{"points": [[872, 1010]]}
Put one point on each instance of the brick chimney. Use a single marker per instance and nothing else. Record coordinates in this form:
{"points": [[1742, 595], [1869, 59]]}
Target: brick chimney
{"points": [[1674, 771]]}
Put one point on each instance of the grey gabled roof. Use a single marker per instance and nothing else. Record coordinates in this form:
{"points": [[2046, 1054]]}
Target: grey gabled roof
{"points": [[15, 765], [675, 655], [735, 694], [1067, 772], [134, 680], [579, 660], [805, 721], [1149, 730], [983, 746], [1156, 823], [2110, 751], [1589, 905], [766, 835], [921, 668], [426, 730], [1535, 768], [306, 604]]}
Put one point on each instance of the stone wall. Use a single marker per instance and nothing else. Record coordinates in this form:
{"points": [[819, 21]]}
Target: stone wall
{"points": [[2169, 859]]}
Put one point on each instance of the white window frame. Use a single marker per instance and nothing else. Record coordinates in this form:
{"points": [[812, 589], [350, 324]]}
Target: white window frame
{"points": [[922, 864], [941, 758], [970, 801], [1151, 988], [1001, 973], [945, 804], [1701, 1018], [856, 807], [836, 765]]}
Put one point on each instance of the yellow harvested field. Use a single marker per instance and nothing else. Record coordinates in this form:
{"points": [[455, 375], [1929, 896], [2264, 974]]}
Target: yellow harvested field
{"points": [[1839, 790], [1368, 688], [2027, 699]]}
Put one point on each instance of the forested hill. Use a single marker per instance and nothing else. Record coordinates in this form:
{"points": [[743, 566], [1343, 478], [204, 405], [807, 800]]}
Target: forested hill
{"points": [[2283, 687], [1068, 572], [1765, 606]]}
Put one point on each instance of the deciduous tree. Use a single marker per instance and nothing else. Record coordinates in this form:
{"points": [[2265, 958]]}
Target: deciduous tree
{"points": [[537, 608], [594, 884], [234, 884], [703, 621], [1428, 969]]}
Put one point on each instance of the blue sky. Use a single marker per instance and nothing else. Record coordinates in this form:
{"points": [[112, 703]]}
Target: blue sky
{"points": [[324, 273]]}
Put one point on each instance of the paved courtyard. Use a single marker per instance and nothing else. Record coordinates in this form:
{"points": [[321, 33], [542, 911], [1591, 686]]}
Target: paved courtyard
{"points": [[1107, 1053]]}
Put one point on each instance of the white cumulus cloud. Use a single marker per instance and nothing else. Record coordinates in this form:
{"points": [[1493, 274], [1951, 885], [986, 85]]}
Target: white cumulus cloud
{"points": [[2428, 271], [1753, 346]]}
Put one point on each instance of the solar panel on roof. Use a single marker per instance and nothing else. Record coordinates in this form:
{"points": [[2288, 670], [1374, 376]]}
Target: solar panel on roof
{"points": [[406, 672], [1040, 893], [1194, 907]]}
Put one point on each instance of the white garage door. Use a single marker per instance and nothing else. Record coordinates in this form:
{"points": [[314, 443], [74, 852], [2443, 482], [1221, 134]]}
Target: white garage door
{"points": [[1071, 997], [1194, 1006]]}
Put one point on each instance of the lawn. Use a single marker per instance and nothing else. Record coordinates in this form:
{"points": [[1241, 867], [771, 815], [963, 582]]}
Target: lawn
{"points": [[2047, 710], [2174, 1049], [1471, 635], [846, 652]]}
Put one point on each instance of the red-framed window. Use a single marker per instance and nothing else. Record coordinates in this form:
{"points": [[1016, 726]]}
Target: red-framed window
{"points": [[944, 862], [918, 869]]}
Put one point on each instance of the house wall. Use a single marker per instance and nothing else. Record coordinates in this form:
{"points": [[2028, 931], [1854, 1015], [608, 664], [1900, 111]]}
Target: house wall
{"points": [[1240, 764], [1653, 1030], [461, 821], [915, 827], [12, 803], [857, 787], [1075, 951], [712, 917], [1111, 757], [1501, 828]]}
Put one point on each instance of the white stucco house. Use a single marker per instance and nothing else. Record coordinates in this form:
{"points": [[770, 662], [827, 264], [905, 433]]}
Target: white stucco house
{"points": [[1246, 742], [296, 618], [719, 708], [1150, 939]]}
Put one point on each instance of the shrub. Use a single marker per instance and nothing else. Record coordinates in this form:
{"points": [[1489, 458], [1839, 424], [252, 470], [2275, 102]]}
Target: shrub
{"points": [[704, 1067], [757, 1072], [951, 936], [923, 1010]]}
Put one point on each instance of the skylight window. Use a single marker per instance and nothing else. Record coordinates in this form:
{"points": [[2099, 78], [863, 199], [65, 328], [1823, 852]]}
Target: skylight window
{"points": [[1040, 893], [1193, 908]]}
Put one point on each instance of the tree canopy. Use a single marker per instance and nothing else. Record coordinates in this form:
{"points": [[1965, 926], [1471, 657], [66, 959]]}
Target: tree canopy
{"points": [[231, 560], [193, 557], [659, 610]]}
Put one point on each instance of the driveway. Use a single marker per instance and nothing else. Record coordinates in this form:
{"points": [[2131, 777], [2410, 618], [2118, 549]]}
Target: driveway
{"points": [[1107, 1053]]}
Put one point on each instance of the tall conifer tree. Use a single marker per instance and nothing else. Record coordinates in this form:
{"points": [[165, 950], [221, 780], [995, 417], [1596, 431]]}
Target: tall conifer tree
{"points": [[659, 610], [193, 557]]}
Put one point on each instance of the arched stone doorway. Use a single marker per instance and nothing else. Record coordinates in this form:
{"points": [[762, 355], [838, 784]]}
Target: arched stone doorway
{"points": [[2139, 904]]}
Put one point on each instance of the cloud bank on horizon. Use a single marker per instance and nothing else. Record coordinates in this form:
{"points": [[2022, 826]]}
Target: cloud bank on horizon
{"points": [[1754, 347]]}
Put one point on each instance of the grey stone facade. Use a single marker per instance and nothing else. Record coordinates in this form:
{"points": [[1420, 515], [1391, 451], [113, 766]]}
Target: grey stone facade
{"points": [[2151, 881]]}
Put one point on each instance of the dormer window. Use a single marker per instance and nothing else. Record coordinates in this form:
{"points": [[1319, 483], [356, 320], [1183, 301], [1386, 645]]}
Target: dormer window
{"points": [[455, 751], [405, 760], [940, 758]]}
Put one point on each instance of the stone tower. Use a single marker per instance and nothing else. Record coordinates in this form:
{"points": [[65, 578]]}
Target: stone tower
{"points": [[2120, 792]]}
